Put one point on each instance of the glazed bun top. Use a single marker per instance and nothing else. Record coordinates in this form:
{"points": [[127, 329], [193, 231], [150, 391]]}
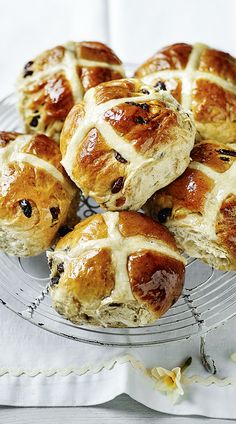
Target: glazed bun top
{"points": [[124, 141], [118, 268], [54, 81], [203, 80]]}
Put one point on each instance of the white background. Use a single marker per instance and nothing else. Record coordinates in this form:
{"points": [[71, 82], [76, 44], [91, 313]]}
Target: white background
{"points": [[134, 28]]}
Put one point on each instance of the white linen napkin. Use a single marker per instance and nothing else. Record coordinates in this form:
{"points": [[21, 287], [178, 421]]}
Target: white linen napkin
{"points": [[38, 368]]}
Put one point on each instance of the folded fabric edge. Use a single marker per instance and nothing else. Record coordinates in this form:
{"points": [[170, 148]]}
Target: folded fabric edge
{"points": [[125, 374]]}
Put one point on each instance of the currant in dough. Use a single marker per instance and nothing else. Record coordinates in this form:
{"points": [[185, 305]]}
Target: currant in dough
{"points": [[203, 80], [118, 269], [124, 141], [199, 208], [54, 81], [36, 196]]}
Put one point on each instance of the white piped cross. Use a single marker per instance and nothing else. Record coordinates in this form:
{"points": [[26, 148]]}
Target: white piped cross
{"points": [[120, 247], [68, 66], [189, 75]]}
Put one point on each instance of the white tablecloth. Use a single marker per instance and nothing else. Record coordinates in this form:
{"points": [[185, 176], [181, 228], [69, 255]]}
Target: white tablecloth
{"points": [[41, 369], [34, 364]]}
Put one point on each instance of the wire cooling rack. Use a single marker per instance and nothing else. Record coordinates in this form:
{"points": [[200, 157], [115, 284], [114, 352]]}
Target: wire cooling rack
{"points": [[208, 299]]}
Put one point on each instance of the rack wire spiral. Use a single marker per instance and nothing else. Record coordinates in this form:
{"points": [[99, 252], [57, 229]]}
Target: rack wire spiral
{"points": [[209, 296]]}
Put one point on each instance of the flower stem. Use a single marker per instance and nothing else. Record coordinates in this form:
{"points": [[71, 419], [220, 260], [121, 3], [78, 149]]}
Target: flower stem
{"points": [[186, 364]]}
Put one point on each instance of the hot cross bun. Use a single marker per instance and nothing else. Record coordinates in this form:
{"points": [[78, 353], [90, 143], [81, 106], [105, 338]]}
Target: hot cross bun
{"points": [[54, 81], [118, 269], [199, 208], [124, 141], [203, 80], [36, 197]]}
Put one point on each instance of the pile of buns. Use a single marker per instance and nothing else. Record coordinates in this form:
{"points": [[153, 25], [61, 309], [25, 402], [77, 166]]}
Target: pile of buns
{"points": [[162, 141]]}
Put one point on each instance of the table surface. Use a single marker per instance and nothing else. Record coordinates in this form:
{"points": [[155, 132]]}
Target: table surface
{"points": [[119, 410]]}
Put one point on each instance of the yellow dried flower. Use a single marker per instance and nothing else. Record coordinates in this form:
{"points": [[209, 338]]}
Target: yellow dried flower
{"points": [[170, 381]]}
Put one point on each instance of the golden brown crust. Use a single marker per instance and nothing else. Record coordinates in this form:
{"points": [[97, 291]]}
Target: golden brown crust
{"points": [[171, 57], [133, 224], [115, 90], [214, 111], [116, 260], [35, 184], [96, 167], [92, 279], [211, 103], [33, 202], [145, 130], [94, 75], [45, 60], [199, 207], [145, 125], [215, 155], [219, 63], [58, 98], [156, 280], [50, 100], [6, 137], [173, 85], [211, 81], [48, 151], [187, 193], [48, 86], [92, 228], [93, 50], [226, 225], [71, 123]]}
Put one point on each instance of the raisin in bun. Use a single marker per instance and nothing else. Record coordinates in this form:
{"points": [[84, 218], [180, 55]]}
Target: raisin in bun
{"points": [[203, 80], [36, 196], [55, 80], [199, 208], [124, 141], [117, 269]]}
